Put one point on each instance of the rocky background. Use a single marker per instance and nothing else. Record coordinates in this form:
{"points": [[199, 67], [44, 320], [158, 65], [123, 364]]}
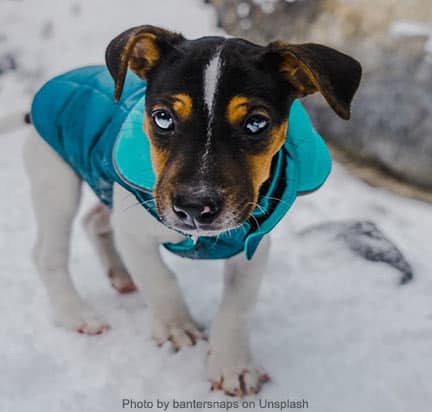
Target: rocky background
{"points": [[391, 125]]}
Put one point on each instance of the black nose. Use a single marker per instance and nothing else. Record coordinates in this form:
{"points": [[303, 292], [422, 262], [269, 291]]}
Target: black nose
{"points": [[199, 209]]}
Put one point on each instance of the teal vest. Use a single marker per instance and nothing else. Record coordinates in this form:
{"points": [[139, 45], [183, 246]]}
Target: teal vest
{"points": [[103, 142]]}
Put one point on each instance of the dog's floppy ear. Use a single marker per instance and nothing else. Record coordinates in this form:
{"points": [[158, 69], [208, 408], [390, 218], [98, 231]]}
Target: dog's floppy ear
{"points": [[314, 68], [138, 48]]}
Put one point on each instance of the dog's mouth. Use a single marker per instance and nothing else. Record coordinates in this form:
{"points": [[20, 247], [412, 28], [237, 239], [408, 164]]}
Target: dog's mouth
{"points": [[209, 231]]}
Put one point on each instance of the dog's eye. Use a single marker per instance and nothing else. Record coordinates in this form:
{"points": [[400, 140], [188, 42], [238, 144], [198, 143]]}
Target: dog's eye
{"points": [[256, 124], [163, 120]]}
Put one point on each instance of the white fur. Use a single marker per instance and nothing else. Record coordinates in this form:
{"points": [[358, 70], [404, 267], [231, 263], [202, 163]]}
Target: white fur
{"points": [[55, 190], [211, 79], [97, 225]]}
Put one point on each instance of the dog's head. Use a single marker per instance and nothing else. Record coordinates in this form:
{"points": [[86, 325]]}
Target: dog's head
{"points": [[216, 113]]}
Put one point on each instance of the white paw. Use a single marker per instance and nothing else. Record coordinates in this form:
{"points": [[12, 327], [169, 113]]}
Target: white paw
{"points": [[180, 333], [83, 320], [121, 281], [235, 379]]}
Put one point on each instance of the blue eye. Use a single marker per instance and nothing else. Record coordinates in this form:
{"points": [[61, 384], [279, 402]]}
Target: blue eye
{"points": [[256, 124], [163, 120]]}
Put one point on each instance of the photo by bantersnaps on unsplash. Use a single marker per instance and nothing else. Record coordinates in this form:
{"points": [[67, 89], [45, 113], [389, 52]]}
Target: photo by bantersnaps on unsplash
{"points": [[216, 205], [227, 404]]}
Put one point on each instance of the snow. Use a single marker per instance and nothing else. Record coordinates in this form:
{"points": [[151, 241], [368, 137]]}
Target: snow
{"points": [[330, 327]]}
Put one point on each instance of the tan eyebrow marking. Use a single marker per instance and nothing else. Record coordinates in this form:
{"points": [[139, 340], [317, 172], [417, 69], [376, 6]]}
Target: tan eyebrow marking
{"points": [[182, 105], [237, 109]]}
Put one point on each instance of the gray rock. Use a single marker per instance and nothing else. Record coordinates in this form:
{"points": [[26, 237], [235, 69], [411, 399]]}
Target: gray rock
{"points": [[365, 239]]}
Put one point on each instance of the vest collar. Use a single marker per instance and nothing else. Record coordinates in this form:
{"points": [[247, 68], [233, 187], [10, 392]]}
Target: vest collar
{"points": [[302, 165]]}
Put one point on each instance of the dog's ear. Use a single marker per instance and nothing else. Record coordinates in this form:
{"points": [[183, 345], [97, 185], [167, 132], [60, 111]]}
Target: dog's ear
{"points": [[314, 68], [138, 48]]}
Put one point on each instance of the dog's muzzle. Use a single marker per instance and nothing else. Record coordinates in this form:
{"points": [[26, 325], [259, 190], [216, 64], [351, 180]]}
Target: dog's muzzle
{"points": [[197, 210]]}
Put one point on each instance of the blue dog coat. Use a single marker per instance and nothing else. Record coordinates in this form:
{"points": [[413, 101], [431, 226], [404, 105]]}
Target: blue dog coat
{"points": [[103, 142]]}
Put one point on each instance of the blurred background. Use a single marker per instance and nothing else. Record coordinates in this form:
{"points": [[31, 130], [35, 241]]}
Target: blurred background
{"points": [[331, 328]]}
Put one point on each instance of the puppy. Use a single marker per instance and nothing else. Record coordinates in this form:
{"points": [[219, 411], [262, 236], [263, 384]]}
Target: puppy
{"points": [[208, 136]]}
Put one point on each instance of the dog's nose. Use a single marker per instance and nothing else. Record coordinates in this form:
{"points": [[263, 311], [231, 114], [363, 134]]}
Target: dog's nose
{"points": [[195, 210]]}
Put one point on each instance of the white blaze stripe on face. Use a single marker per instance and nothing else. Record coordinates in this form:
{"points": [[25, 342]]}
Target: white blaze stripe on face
{"points": [[211, 79]]}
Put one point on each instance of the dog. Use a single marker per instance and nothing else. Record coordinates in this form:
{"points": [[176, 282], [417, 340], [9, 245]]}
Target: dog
{"points": [[198, 132]]}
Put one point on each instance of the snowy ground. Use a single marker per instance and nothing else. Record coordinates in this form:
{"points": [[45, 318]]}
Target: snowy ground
{"points": [[330, 328]]}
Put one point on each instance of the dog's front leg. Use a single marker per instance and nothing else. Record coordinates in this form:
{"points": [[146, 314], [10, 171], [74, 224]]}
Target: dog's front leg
{"points": [[171, 318], [231, 366], [138, 236]]}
